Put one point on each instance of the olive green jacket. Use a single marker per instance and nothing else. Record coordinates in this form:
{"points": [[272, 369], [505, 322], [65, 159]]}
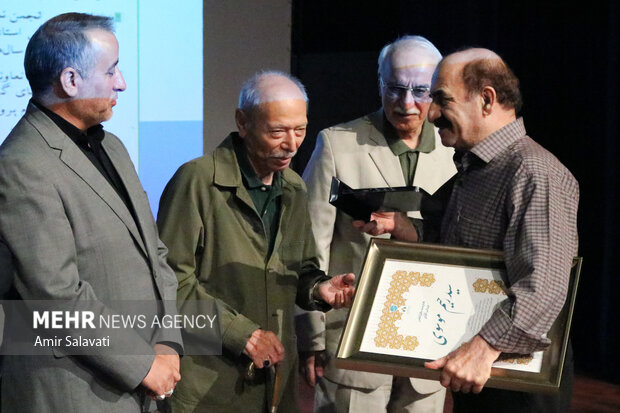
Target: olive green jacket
{"points": [[217, 247]]}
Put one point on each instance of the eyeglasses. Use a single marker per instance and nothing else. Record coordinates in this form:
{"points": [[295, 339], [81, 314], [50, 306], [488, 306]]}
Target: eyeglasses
{"points": [[420, 94]]}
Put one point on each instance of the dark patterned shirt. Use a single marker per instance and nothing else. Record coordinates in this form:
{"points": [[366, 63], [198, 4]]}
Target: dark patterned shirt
{"points": [[513, 195]]}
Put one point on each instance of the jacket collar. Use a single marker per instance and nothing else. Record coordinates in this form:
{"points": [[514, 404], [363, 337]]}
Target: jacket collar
{"points": [[226, 167], [75, 160]]}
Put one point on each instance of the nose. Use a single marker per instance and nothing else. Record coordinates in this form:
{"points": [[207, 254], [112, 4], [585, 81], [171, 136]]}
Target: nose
{"points": [[433, 112], [407, 98], [119, 84], [290, 142]]}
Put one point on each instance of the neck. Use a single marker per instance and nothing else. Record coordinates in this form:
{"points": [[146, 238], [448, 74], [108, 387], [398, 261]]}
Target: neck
{"points": [[265, 177], [411, 138], [62, 110]]}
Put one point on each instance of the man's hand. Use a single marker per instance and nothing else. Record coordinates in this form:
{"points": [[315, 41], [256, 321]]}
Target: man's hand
{"points": [[264, 348], [395, 223], [338, 291], [467, 368], [311, 365], [164, 373]]}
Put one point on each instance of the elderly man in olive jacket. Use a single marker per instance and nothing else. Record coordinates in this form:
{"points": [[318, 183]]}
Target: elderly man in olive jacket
{"points": [[237, 226]]}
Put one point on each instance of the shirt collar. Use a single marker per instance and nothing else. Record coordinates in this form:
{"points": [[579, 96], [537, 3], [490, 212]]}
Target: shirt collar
{"points": [[75, 134], [398, 147], [499, 141]]}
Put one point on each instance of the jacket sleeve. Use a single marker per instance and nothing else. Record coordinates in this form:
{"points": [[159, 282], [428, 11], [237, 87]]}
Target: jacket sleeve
{"points": [[182, 229], [539, 246]]}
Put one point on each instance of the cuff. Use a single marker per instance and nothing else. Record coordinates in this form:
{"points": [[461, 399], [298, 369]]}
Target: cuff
{"points": [[501, 333], [316, 303], [238, 333]]}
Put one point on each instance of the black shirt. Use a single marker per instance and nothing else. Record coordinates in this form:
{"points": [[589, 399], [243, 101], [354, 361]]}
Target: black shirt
{"points": [[89, 143]]}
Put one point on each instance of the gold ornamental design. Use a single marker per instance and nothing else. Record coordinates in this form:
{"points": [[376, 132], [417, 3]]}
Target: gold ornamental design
{"points": [[387, 333], [519, 360], [484, 286]]}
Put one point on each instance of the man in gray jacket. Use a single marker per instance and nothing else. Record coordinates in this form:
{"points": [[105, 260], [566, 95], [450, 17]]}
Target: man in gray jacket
{"points": [[76, 228]]}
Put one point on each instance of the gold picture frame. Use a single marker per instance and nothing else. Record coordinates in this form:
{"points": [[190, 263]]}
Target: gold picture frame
{"points": [[352, 355]]}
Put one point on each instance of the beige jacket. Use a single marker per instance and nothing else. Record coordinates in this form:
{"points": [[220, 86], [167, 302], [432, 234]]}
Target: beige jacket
{"points": [[356, 153]]}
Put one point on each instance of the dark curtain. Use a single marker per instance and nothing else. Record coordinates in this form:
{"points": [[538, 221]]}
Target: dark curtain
{"points": [[566, 57]]}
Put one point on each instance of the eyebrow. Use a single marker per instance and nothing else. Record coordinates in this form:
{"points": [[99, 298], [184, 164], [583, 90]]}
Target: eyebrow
{"points": [[113, 65], [439, 94]]}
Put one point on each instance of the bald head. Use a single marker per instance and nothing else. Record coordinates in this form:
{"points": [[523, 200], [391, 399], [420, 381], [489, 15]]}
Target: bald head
{"points": [[469, 55], [478, 68], [270, 86], [474, 94]]}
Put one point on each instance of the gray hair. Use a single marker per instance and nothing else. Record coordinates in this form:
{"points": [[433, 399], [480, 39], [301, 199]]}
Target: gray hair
{"points": [[250, 97], [406, 42], [59, 43]]}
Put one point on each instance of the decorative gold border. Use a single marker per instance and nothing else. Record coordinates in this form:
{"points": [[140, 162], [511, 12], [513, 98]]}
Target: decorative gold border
{"points": [[387, 331]]}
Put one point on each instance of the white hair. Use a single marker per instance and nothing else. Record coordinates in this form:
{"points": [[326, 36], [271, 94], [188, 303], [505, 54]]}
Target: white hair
{"points": [[250, 96], [407, 42]]}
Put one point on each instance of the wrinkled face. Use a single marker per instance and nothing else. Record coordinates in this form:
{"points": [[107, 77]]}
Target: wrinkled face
{"points": [[273, 133], [98, 90], [456, 113], [403, 109]]}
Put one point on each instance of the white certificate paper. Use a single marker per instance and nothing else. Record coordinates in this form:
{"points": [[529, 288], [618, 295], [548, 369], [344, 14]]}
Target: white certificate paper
{"points": [[425, 310]]}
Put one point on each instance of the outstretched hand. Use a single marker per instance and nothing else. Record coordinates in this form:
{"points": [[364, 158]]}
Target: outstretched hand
{"points": [[395, 223], [338, 291]]}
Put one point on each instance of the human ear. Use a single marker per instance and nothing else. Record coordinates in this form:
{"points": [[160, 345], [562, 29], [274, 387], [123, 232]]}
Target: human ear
{"points": [[242, 120], [70, 81], [489, 99]]}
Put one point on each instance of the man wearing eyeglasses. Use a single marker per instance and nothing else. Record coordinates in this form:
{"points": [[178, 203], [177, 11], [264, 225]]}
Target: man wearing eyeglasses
{"points": [[394, 146]]}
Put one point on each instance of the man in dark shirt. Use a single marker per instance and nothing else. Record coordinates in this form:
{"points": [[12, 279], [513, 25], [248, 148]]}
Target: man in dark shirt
{"points": [[76, 228], [512, 195]]}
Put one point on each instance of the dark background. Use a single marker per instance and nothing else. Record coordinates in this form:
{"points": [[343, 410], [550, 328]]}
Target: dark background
{"points": [[566, 57]]}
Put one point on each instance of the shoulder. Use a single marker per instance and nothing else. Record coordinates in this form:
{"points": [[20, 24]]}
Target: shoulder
{"points": [[25, 154], [349, 129], [538, 164], [198, 171], [293, 180]]}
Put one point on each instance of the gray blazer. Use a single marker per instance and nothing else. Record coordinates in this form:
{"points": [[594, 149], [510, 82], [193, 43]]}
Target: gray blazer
{"points": [[65, 234], [358, 154]]}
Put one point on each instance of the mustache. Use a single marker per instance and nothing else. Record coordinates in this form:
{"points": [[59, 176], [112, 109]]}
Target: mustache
{"points": [[283, 154], [442, 123], [411, 111]]}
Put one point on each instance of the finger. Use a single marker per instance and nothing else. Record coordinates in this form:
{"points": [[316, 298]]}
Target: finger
{"points": [[359, 223], [437, 364], [349, 278], [278, 347], [370, 226], [310, 377], [477, 388], [445, 379], [466, 388], [318, 371]]}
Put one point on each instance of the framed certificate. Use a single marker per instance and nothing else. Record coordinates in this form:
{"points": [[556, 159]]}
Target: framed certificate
{"points": [[418, 302]]}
